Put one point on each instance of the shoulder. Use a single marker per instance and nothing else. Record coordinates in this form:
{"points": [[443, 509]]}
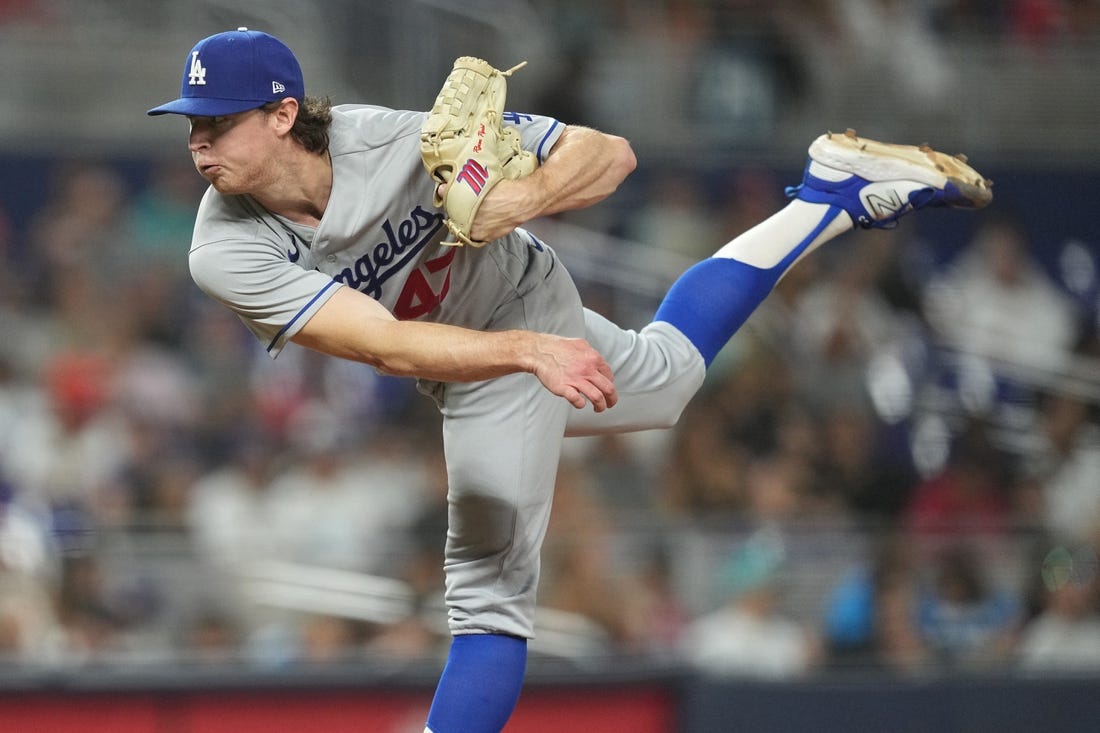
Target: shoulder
{"points": [[234, 233], [363, 126]]}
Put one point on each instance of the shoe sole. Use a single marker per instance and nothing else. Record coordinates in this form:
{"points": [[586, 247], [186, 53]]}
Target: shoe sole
{"points": [[875, 161]]}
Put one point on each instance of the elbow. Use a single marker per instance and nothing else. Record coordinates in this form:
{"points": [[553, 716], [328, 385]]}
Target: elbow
{"points": [[619, 162], [626, 160]]}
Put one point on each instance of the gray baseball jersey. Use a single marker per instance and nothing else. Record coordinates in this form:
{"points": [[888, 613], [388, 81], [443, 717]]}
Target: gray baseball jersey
{"points": [[381, 234]]}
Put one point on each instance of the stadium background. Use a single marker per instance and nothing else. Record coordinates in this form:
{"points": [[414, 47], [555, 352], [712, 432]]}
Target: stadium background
{"points": [[895, 466]]}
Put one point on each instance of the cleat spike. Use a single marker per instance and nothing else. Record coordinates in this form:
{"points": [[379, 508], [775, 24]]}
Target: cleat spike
{"points": [[961, 157], [850, 133]]}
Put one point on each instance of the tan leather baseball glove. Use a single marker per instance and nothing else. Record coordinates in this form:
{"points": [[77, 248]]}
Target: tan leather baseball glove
{"points": [[464, 144]]}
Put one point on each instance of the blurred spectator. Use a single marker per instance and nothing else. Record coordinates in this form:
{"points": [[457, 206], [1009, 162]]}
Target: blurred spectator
{"points": [[229, 514], [161, 491], [705, 474], [18, 397], [1064, 636], [1064, 466], [421, 634], [155, 230], [154, 386], [93, 627], [73, 447], [664, 612], [973, 493], [841, 323], [778, 487], [752, 195], [649, 59], [69, 261], [754, 398], [418, 636], [676, 216], [871, 613], [772, 329], [895, 39], [997, 303], [621, 467], [858, 468], [155, 394], [218, 354], [328, 639], [212, 637], [900, 646], [581, 575], [318, 514], [748, 636], [27, 623], [337, 508], [746, 433], [965, 618], [77, 234], [28, 568], [159, 219], [751, 77]]}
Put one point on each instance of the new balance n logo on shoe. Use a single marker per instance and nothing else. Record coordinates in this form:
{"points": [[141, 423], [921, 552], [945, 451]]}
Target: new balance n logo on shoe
{"points": [[884, 204], [197, 76]]}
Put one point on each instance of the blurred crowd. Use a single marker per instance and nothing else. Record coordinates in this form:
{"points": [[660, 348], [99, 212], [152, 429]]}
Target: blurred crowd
{"points": [[736, 72], [892, 467]]}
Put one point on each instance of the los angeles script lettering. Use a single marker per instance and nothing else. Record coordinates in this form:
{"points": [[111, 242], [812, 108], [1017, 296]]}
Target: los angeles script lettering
{"points": [[385, 259]]}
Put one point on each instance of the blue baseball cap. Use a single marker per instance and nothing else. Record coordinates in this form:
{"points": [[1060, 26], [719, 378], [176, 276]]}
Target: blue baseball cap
{"points": [[233, 72]]}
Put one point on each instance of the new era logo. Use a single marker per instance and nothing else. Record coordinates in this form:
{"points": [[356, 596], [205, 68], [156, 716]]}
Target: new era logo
{"points": [[277, 88], [197, 75]]}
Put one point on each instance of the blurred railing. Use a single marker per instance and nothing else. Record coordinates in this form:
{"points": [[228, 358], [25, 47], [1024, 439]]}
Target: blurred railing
{"points": [[160, 591]]}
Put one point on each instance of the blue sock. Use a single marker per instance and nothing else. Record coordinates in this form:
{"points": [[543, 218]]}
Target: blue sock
{"points": [[714, 297], [480, 685]]}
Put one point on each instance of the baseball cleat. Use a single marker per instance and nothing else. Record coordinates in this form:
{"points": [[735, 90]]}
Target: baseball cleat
{"points": [[878, 183]]}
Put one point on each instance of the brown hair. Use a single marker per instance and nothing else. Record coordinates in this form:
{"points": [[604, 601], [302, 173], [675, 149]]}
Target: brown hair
{"points": [[311, 126]]}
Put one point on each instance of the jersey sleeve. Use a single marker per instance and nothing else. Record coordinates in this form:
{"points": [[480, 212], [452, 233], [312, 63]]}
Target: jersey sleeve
{"points": [[272, 296], [538, 133]]}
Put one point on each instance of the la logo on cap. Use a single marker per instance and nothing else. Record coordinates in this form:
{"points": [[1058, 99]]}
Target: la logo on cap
{"points": [[197, 77]]}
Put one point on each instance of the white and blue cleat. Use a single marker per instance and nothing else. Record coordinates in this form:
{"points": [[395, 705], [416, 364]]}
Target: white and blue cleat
{"points": [[878, 183]]}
